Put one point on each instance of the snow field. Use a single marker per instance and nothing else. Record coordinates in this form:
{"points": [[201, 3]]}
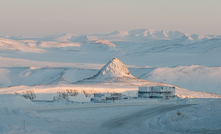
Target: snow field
{"points": [[12, 122], [36, 75], [195, 77], [64, 117], [12, 119], [72, 118], [7, 100], [205, 117], [48, 92], [59, 61]]}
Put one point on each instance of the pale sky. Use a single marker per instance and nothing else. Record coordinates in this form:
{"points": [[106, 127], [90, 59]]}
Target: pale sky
{"points": [[45, 17]]}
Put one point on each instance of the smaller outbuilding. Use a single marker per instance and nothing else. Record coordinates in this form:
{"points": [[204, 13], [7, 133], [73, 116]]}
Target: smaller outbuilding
{"points": [[105, 97], [156, 92]]}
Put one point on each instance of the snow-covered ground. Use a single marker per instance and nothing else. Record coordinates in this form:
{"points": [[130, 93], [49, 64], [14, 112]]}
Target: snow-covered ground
{"points": [[195, 77], [149, 55], [19, 116], [202, 118], [49, 66], [113, 77]]}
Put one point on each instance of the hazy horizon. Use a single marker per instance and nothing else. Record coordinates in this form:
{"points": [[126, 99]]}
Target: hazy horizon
{"points": [[25, 17]]}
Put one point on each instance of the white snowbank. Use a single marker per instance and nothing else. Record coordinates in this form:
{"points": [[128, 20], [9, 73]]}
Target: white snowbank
{"points": [[11, 101], [48, 44], [15, 129], [195, 77], [105, 42], [15, 121], [198, 118], [7, 44]]}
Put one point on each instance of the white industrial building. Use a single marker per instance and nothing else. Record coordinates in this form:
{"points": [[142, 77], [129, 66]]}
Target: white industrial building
{"points": [[156, 92], [102, 97]]}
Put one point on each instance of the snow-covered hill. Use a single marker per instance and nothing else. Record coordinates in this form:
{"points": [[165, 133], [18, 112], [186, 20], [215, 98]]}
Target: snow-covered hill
{"points": [[113, 71], [113, 77], [114, 68], [68, 58], [105, 42], [127, 42], [197, 78], [156, 34], [13, 45], [116, 72], [133, 35], [54, 69], [34, 75], [203, 118], [146, 35]]}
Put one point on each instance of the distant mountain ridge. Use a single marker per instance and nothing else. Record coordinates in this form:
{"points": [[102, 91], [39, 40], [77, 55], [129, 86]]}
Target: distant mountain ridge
{"points": [[142, 34], [119, 35], [118, 42]]}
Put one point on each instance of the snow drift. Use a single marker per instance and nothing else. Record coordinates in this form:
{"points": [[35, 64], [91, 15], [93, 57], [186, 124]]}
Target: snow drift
{"points": [[203, 118], [105, 42], [195, 77], [13, 45]]}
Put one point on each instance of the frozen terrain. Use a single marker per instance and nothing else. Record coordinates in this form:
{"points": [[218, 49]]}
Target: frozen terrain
{"points": [[113, 77], [203, 118], [62, 72], [145, 52], [20, 116]]}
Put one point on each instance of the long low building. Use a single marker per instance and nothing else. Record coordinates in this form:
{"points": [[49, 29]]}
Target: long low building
{"points": [[156, 92], [102, 97]]}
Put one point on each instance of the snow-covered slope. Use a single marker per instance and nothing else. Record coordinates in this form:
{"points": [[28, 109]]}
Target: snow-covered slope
{"points": [[73, 46], [114, 68], [164, 34], [132, 35], [195, 77], [146, 35], [35, 75], [33, 46], [14, 101], [56, 66], [113, 77], [116, 72], [139, 47], [203, 118], [64, 37], [122, 43], [156, 34], [12, 45], [48, 44], [113, 71], [105, 42], [84, 38]]}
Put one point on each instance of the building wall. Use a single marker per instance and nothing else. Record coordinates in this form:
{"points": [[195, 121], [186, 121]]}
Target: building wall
{"points": [[145, 89], [99, 97], [142, 94], [156, 92]]}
